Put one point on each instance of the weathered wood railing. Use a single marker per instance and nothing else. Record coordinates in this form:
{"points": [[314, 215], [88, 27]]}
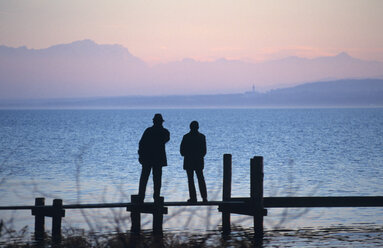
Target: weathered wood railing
{"points": [[255, 205]]}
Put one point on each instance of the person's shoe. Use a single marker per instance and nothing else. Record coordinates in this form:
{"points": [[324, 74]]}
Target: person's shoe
{"points": [[192, 200], [204, 200]]}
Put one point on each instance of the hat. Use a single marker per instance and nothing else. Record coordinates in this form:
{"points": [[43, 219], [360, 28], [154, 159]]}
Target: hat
{"points": [[158, 117]]}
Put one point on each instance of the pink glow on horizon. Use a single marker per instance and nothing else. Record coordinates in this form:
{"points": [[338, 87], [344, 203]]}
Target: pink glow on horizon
{"points": [[169, 30]]}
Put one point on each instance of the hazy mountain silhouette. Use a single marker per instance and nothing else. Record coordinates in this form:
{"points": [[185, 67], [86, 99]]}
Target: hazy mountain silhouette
{"points": [[341, 93], [81, 68], [86, 69], [237, 76]]}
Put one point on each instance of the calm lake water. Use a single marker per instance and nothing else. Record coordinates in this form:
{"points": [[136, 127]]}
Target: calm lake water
{"points": [[90, 156]]}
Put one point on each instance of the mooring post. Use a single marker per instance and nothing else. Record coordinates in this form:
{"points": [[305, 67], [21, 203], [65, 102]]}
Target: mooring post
{"points": [[39, 219], [57, 214], [135, 215], [158, 216], [256, 193], [226, 191]]}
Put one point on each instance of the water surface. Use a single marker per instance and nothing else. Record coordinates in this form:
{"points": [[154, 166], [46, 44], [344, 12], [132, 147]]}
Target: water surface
{"points": [[91, 156]]}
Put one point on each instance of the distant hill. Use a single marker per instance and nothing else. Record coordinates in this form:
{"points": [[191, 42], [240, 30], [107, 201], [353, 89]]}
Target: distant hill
{"points": [[87, 69], [361, 92], [341, 93]]}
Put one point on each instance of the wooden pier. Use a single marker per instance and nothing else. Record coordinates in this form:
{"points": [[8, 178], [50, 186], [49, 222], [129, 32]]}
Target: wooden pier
{"points": [[255, 205]]}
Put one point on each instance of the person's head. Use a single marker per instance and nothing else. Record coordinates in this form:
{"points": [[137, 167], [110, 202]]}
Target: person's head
{"points": [[157, 119], [194, 126]]}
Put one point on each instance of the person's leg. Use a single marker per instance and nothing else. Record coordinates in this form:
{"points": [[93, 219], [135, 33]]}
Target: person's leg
{"points": [[145, 172], [157, 178], [201, 184], [192, 193]]}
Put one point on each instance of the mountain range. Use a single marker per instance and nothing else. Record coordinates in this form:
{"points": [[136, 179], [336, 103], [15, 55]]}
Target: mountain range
{"points": [[86, 69]]}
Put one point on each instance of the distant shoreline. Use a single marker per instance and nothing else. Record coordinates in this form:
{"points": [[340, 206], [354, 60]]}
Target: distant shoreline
{"points": [[347, 93]]}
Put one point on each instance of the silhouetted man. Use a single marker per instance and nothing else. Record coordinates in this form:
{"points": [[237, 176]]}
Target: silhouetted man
{"points": [[193, 149], [152, 155]]}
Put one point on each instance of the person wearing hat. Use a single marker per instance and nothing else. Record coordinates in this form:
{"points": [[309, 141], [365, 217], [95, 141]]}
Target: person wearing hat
{"points": [[152, 155], [193, 149]]}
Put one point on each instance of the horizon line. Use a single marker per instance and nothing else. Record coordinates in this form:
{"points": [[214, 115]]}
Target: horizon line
{"points": [[249, 92]]}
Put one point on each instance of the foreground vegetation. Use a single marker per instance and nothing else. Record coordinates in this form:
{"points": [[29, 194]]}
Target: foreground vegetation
{"points": [[336, 236]]}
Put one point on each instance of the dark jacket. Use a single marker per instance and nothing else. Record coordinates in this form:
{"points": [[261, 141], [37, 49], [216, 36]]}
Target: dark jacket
{"points": [[151, 149], [193, 148]]}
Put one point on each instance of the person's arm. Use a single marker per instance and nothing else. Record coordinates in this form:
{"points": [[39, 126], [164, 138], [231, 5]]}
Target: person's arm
{"points": [[204, 145], [167, 135], [182, 147], [141, 146]]}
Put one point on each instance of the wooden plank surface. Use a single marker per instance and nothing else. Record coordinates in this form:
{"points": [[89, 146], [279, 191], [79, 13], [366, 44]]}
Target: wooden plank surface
{"points": [[334, 201], [269, 202]]}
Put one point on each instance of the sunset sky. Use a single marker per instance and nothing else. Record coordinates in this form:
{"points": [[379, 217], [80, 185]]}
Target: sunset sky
{"points": [[167, 30]]}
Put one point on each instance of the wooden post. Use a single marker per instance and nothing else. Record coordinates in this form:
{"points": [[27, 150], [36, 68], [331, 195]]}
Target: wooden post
{"points": [[256, 194], [158, 216], [56, 218], [226, 191], [39, 220], [135, 216]]}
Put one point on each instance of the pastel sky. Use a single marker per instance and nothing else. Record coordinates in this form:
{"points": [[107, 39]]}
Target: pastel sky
{"points": [[166, 30]]}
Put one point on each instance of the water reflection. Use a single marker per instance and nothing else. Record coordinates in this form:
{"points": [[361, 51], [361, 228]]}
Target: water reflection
{"points": [[333, 236]]}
